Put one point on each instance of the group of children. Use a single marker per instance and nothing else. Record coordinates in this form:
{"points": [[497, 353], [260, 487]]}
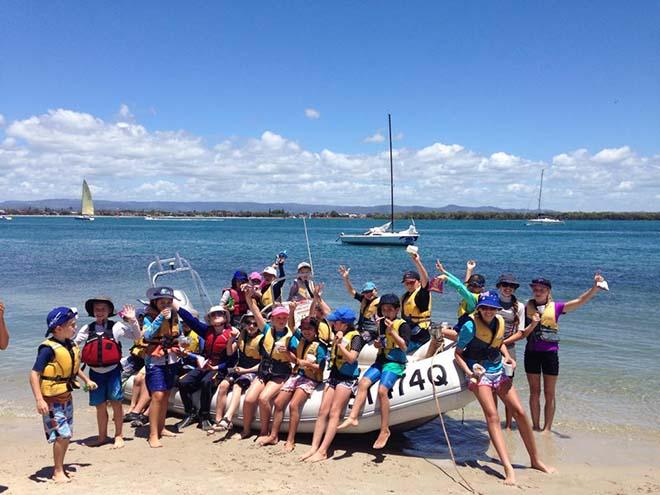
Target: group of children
{"points": [[274, 362]]}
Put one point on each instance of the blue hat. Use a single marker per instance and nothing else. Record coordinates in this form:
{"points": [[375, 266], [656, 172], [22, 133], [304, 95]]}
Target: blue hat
{"points": [[345, 315], [59, 316], [161, 293], [542, 281], [489, 299], [368, 287]]}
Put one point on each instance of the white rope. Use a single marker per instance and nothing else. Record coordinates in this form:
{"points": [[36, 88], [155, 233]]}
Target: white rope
{"points": [[309, 251]]}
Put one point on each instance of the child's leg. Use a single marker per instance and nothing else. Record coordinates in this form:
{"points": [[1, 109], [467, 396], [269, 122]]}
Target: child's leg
{"points": [[138, 385], [340, 399], [60, 447], [157, 404], [163, 414], [384, 434], [221, 399], [118, 419], [295, 406], [549, 386], [102, 422], [143, 401], [250, 404], [321, 421], [534, 381], [236, 393], [281, 401], [366, 381], [266, 398]]}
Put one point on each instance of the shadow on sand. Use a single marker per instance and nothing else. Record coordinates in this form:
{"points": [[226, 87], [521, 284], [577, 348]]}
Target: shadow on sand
{"points": [[45, 474]]}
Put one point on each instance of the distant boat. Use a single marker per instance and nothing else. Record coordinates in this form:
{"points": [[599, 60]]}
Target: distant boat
{"points": [[541, 220], [86, 204], [149, 217], [6, 217], [385, 234]]}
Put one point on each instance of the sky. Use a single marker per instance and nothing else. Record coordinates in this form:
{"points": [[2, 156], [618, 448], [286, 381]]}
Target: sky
{"points": [[288, 101]]}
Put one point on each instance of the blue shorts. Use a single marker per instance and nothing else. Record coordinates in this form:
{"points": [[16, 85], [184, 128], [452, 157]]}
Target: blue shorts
{"points": [[58, 423], [160, 378], [387, 378], [109, 387]]}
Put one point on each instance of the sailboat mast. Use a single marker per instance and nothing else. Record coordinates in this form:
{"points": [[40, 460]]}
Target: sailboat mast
{"points": [[541, 190], [389, 124]]}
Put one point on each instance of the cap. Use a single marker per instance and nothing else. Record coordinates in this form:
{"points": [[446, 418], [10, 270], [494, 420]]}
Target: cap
{"points": [[89, 305], [507, 278], [410, 275], [59, 316], [304, 264], [280, 311], [269, 270], [476, 280], [256, 276], [489, 299], [344, 314], [368, 287], [161, 293], [240, 275], [542, 281]]}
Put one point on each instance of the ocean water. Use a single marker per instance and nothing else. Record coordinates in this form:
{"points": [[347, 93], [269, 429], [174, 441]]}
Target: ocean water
{"points": [[609, 351]]}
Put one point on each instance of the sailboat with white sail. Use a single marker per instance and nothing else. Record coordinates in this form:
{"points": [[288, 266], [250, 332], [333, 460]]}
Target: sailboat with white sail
{"points": [[385, 234], [86, 204], [543, 220]]}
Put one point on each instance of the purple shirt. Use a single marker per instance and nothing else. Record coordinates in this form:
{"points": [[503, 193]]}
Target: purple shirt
{"points": [[541, 346]]}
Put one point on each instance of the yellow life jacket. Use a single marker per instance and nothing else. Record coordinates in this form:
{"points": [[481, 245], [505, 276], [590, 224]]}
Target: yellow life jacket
{"points": [[59, 375], [412, 314], [391, 351], [164, 339], [194, 342], [274, 361], [548, 329], [302, 351], [486, 343], [138, 349], [337, 361], [325, 333], [368, 309], [249, 350], [302, 292], [267, 297]]}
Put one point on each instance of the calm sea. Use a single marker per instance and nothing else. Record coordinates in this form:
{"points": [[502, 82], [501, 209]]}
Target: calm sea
{"points": [[609, 351]]}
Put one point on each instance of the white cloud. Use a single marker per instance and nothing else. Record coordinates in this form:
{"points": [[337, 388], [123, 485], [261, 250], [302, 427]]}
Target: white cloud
{"points": [[312, 113], [374, 138], [46, 156], [124, 114], [2, 120]]}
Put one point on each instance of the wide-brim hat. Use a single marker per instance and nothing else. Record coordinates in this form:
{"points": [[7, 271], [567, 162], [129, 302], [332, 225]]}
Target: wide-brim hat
{"points": [[155, 293], [89, 305], [507, 278], [269, 270], [219, 308]]}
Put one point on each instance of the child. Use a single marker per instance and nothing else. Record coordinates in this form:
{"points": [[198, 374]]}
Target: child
{"points": [[416, 304], [101, 351], [302, 287], [246, 344], [233, 298], [307, 375], [160, 335], [390, 365], [368, 299], [52, 379]]}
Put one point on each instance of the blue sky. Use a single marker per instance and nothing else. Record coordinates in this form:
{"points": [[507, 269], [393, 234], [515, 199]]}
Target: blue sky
{"points": [[532, 80]]}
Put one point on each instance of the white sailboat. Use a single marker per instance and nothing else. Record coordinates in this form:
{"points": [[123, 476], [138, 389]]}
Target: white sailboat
{"points": [[385, 234], [541, 220], [4, 216], [86, 204]]}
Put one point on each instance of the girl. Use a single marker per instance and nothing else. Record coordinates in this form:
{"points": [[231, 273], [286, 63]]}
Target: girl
{"points": [[481, 342], [307, 375], [233, 298], [341, 383]]}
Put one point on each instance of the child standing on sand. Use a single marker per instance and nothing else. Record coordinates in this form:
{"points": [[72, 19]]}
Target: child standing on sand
{"points": [[52, 379], [101, 351]]}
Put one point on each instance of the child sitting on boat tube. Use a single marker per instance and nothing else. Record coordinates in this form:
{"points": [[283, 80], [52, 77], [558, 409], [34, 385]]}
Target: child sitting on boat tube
{"points": [[390, 365]]}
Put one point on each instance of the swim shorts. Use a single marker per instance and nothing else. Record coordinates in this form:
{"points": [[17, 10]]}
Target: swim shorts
{"points": [[109, 386], [299, 381], [242, 380], [546, 362], [350, 383], [492, 380], [160, 378], [387, 373], [58, 423]]}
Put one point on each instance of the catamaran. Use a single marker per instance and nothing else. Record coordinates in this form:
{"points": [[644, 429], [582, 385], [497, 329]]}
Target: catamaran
{"points": [[86, 204], [385, 234], [541, 220]]}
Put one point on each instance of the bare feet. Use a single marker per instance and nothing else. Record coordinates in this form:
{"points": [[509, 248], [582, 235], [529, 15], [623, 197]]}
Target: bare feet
{"points": [[154, 443], [168, 433], [543, 468], [118, 444], [348, 423], [60, 477], [546, 431], [269, 440], [536, 428], [98, 442], [245, 435], [510, 476], [382, 439], [289, 447], [307, 454], [317, 457]]}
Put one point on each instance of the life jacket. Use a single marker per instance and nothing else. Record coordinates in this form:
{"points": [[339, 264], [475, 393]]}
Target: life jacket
{"points": [[267, 296], [138, 348], [215, 345], [486, 343], [165, 338], [368, 309], [101, 349], [548, 329], [194, 342], [509, 316], [274, 361], [337, 362], [59, 375], [248, 348], [301, 290], [463, 306], [391, 351], [302, 351], [324, 332], [237, 304], [412, 314]]}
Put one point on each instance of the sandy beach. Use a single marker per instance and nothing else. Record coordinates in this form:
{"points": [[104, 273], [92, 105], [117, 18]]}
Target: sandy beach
{"points": [[193, 463]]}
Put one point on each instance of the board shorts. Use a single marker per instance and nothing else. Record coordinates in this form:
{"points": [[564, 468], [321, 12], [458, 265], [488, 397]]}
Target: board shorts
{"points": [[542, 362], [302, 382], [491, 380], [243, 380], [349, 383], [386, 373], [160, 378], [109, 387], [58, 423]]}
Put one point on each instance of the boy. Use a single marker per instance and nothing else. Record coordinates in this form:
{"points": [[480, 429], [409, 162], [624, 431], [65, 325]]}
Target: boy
{"points": [[52, 379], [101, 351]]}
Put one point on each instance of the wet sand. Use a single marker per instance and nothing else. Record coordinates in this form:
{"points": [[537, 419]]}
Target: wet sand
{"points": [[193, 463]]}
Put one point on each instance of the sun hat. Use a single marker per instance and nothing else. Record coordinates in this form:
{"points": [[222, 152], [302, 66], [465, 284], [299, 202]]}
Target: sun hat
{"points": [[280, 311], [59, 316], [269, 270], [391, 299], [410, 275], [344, 314], [368, 287], [240, 275], [304, 264], [541, 281], [256, 276], [155, 293], [476, 280], [89, 305], [507, 278], [489, 299], [218, 308]]}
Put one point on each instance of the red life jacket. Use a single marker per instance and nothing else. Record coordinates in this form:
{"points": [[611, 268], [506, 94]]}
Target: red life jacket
{"points": [[240, 303], [215, 345], [101, 350]]}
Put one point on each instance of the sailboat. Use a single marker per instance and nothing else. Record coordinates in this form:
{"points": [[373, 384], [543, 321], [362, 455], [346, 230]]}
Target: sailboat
{"points": [[385, 234], [4, 216], [541, 220], [86, 205]]}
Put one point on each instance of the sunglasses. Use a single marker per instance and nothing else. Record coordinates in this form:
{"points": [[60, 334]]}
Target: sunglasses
{"points": [[508, 285], [215, 314]]}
